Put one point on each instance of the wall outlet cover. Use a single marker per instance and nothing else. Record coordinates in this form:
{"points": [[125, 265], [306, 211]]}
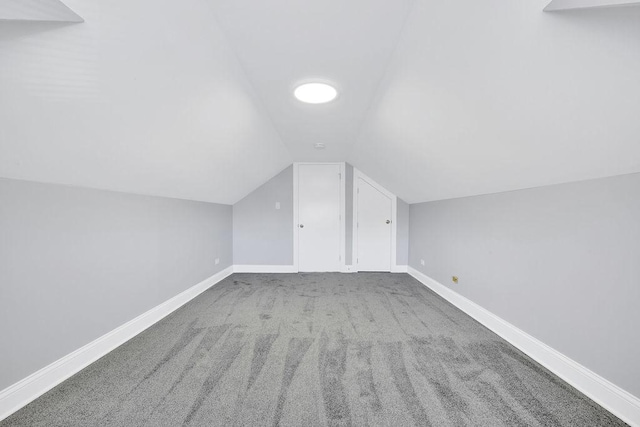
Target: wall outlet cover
{"points": [[421, 262], [217, 261]]}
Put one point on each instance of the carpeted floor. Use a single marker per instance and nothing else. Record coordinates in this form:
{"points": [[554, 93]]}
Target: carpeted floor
{"points": [[314, 350]]}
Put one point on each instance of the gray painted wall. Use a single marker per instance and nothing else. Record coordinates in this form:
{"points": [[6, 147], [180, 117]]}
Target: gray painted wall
{"points": [[348, 229], [262, 234], [561, 263], [77, 263], [402, 233]]}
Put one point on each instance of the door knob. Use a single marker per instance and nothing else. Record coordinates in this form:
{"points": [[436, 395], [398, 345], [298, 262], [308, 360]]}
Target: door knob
{"points": [[388, 222], [301, 225]]}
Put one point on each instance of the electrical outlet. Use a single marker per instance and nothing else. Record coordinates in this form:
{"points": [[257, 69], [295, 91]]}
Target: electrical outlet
{"points": [[217, 261], [277, 205], [455, 279], [421, 262]]}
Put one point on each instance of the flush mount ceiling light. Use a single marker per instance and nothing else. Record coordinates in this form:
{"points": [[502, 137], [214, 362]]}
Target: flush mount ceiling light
{"points": [[315, 93]]}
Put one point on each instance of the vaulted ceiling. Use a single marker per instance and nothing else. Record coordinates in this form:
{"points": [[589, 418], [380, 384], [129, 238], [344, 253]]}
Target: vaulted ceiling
{"points": [[436, 99], [145, 96], [491, 96], [281, 43]]}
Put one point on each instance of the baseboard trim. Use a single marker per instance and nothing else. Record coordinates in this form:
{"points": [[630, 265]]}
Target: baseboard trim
{"points": [[35, 385], [394, 269], [292, 269], [264, 269], [611, 397]]}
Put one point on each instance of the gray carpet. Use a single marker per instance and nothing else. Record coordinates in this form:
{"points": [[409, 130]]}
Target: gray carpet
{"points": [[313, 350]]}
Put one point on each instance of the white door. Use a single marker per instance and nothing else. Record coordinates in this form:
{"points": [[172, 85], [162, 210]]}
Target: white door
{"points": [[374, 228], [319, 217]]}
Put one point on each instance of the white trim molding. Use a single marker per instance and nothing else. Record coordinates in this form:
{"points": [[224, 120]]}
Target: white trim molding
{"points": [[293, 269], [611, 397], [265, 269], [296, 215], [30, 388], [560, 5]]}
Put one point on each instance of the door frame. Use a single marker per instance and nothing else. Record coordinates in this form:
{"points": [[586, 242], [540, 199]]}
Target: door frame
{"points": [[342, 211], [357, 175]]}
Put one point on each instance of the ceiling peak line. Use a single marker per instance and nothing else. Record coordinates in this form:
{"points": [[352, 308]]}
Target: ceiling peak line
{"points": [[283, 45], [253, 92], [377, 93]]}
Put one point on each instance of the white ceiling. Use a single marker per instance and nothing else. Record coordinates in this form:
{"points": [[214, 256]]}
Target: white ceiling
{"points": [[437, 99], [492, 96], [282, 43], [149, 103]]}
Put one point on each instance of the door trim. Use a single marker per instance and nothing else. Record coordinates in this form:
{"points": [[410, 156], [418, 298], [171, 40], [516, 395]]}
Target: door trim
{"points": [[342, 211], [357, 175]]}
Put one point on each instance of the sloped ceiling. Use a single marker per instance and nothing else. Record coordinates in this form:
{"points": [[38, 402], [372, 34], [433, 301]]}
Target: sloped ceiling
{"points": [[144, 97], [282, 43], [437, 99], [491, 96]]}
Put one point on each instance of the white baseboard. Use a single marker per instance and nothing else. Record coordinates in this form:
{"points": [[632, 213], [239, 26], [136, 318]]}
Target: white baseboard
{"points": [[292, 269], [394, 269], [611, 397], [23, 392], [264, 269]]}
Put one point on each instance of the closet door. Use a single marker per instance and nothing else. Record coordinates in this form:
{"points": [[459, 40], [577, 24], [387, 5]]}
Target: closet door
{"points": [[374, 228], [319, 217]]}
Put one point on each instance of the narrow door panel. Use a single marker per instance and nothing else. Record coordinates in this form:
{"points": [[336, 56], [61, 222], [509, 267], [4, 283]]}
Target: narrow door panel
{"points": [[374, 229], [319, 217]]}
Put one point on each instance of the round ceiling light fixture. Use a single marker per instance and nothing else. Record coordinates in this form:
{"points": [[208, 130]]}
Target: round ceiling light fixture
{"points": [[315, 93]]}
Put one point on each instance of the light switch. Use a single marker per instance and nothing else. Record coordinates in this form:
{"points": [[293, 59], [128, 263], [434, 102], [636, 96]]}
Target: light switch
{"points": [[277, 205]]}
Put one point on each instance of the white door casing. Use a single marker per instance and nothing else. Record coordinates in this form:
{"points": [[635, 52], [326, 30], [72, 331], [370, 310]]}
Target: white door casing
{"points": [[374, 228], [319, 227]]}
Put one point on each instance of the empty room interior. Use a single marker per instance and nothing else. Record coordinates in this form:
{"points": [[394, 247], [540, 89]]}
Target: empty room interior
{"points": [[319, 213]]}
